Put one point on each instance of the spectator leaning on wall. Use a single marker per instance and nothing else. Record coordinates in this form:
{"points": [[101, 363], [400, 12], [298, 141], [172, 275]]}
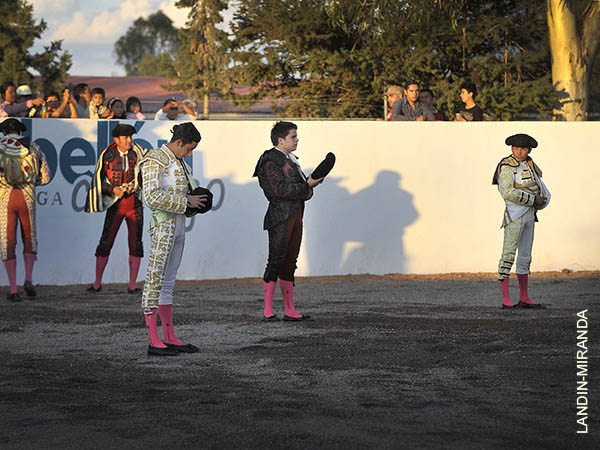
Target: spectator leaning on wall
{"points": [[409, 107], [170, 111], [10, 108], [393, 94], [471, 112]]}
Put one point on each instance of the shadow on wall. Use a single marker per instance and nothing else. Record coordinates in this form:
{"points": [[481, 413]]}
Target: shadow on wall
{"points": [[361, 232], [228, 240], [343, 233]]}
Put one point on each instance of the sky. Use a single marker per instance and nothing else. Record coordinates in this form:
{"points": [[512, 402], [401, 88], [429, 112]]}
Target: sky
{"points": [[90, 28]]}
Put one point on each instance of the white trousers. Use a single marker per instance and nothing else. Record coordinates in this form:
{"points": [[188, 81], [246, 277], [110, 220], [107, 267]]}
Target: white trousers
{"points": [[166, 292], [517, 235]]}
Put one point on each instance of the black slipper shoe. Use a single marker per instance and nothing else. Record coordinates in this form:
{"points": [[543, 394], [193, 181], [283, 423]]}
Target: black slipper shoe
{"points": [[93, 290], [13, 297], [509, 307], [159, 351], [29, 289], [296, 319], [272, 318], [185, 348], [133, 291], [531, 305]]}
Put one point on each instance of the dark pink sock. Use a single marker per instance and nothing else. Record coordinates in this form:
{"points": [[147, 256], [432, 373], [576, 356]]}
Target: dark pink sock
{"points": [[505, 292], [11, 271], [166, 317], [524, 288], [269, 289], [29, 262], [153, 330], [101, 262], [134, 268], [287, 290]]}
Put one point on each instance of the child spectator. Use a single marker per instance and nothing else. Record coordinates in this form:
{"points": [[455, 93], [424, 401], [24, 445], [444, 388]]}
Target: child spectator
{"points": [[115, 105], [471, 112], [97, 108], [134, 109]]}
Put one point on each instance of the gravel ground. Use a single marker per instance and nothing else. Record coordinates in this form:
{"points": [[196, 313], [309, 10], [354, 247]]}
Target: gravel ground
{"points": [[390, 362]]}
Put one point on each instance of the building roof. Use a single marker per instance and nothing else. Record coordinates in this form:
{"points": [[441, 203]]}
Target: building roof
{"points": [[152, 95]]}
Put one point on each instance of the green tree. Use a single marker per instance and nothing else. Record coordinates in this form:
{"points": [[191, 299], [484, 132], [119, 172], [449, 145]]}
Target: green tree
{"points": [[200, 63], [145, 44], [334, 58], [18, 31], [499, 45]]}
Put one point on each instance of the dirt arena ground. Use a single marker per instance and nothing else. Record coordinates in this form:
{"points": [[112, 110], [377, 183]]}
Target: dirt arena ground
{"points": [[390, 362]]}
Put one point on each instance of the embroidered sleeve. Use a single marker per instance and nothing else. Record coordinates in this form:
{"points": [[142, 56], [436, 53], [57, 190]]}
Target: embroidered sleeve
{"points": [[45, 174], [506, 186], [157, 197], [277, 186]]}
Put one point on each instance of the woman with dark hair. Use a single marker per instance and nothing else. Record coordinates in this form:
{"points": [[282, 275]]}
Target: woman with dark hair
{"points": [[9, 107], [134, 109], [115, 105]]}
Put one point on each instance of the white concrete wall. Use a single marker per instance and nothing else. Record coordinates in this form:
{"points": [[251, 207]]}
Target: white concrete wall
{"points": [[403, 197]]}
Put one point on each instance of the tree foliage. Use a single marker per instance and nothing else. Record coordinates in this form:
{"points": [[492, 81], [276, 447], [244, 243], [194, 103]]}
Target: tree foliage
{"points": [[145, 45], [18, 31], [200, 63], [334, 58]]}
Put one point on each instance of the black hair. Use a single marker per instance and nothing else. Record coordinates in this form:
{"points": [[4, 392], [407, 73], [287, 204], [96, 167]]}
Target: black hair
{"points": [[51, 94], [281, 130], [410, 83], [469, 87], [427, 90], [187, 132], [169, 100], [78, 90], [132, 101], [111, 103], [12, 126], [5, 86], [98, 90]]}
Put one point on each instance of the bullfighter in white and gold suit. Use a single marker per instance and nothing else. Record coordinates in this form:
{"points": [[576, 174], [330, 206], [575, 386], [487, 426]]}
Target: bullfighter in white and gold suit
{"points": [[166, 183], [22, 167], [520, 184]]}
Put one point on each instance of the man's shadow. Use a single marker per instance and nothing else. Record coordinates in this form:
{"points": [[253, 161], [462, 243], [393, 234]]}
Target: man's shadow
{"points": [[361, 232]]}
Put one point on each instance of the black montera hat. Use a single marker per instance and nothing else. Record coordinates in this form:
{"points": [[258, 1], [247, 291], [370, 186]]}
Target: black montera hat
{"points": [[521, 140], [189, 211], [12, 125], [324, 167], [123, 130]]}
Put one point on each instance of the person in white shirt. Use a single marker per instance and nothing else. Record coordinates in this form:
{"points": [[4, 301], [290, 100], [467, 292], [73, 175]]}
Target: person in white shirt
{"points": [[170, 111]]}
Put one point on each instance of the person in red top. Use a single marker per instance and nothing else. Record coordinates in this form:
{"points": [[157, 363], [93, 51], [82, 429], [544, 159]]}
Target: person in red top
{"points": [[115, 188], [426, 96]]}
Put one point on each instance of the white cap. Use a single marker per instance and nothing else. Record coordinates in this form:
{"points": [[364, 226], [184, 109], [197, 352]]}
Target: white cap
{"points": [[24, 90]]}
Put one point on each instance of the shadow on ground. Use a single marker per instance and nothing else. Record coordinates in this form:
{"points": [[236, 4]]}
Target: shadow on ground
{"points": [[392, 362]]}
